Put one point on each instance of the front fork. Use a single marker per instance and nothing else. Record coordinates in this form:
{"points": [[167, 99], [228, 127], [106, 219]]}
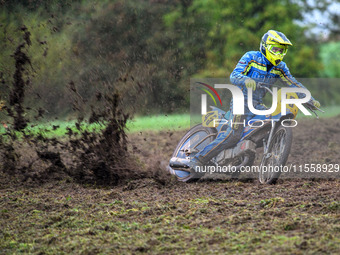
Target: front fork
{"points": [[266, 144]]}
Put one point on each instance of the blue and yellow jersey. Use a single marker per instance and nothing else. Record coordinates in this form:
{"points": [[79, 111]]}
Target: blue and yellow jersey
{"points": [[255, 66]]}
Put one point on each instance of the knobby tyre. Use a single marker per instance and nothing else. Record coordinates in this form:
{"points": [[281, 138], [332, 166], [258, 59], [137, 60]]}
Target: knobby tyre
{"points": [[279, 149], [195, 140]]}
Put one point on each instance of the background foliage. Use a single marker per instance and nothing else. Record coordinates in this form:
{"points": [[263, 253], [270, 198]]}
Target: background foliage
{"points": [[149, 49]]}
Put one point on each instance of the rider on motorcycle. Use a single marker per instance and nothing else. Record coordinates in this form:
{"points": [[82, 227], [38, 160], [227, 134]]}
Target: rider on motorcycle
{"points": [[265, 66]]}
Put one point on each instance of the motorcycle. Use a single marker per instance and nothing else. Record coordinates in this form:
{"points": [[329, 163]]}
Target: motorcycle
{"points": [[275, 135]]}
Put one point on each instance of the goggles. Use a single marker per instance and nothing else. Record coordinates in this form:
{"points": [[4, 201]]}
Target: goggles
{"points": [[278, 49]]}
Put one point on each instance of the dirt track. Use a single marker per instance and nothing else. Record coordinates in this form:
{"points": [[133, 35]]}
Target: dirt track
{"points": [[160, 215], [314, 142]]}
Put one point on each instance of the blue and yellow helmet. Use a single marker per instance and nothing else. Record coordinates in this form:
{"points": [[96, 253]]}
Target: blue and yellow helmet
{"points": [[274, 46]]}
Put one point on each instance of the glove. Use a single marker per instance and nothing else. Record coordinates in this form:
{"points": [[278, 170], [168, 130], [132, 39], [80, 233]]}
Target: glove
{"points": [[250, 84], [316, 103]]}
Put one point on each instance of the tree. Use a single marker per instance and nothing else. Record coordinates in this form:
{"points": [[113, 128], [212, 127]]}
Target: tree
{"points": [[126, 44], [229, 28]]}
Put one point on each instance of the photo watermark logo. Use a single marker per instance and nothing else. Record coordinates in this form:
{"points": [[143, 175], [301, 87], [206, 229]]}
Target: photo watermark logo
{"points": [[286, 96], [238, 99]]}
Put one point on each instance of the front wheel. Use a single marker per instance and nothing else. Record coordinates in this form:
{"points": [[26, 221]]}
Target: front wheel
{"points": [[193, 141], [276, 158]]}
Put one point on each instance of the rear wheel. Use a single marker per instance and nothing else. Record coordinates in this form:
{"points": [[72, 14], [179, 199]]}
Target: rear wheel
{"points": [[192, 142], [276, 158]]}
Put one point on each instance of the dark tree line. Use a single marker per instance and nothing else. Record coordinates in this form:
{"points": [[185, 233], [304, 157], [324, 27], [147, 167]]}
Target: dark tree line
{"points": [[149, 49]]}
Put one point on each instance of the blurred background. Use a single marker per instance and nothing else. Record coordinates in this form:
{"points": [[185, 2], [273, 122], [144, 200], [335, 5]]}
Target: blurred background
{"points": [[149, 49]]}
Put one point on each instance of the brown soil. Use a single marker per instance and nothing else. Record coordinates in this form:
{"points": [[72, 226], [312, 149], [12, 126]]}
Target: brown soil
{"points": [[161, 215], [315, 141]]}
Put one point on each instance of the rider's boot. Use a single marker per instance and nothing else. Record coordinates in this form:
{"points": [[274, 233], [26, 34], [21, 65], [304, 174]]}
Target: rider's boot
{"points": [[191, 165], [179, 163]]}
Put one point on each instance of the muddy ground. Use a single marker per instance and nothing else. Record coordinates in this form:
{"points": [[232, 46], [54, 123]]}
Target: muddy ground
{"points": [[159, 215]]}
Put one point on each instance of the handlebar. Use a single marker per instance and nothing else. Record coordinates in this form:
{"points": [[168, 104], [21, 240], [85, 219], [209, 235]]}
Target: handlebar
{"points": [[263, 85], [309, 105], [313, 108]]}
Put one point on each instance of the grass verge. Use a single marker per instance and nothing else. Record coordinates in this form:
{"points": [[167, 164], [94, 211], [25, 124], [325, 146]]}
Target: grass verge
{"points": [[173, 122]]}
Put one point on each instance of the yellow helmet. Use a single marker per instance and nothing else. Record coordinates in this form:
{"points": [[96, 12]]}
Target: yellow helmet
{"points": [[274, 46]]}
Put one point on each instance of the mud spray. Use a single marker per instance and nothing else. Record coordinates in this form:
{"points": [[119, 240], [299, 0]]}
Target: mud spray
{"points": [[98, 157]]}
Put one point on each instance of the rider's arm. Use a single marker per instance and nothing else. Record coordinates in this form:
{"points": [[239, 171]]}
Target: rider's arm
{"points": [[238, 76], [289, 79]]}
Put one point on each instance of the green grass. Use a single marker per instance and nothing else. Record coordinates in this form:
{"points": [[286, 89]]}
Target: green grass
{"points": [[182, 121], [145, 123], [160, 122], [54, 128]]}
